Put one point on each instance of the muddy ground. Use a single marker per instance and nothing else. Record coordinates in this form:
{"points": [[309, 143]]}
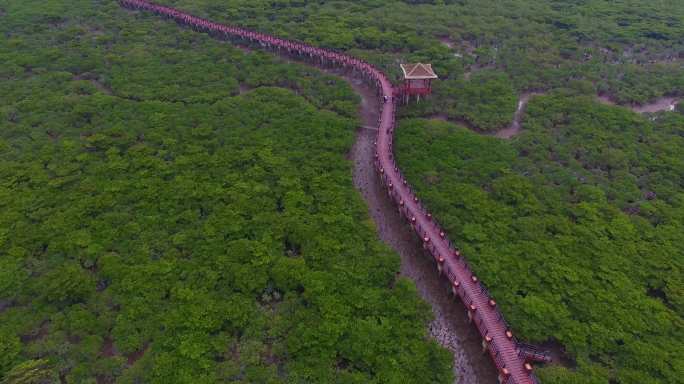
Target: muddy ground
{"points": [[450, 326]]}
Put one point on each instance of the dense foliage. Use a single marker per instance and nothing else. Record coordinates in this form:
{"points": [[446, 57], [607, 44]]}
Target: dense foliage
{"points": [[577, 227], [630, 51], [173, 209], [157, 226]]}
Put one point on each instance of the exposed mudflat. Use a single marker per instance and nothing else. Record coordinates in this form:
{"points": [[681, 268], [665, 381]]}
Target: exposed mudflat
{"points": [[243, 88], [662, 104], [446, 41], [658, 105], [515, 127], [93, 79], [450, 326]]}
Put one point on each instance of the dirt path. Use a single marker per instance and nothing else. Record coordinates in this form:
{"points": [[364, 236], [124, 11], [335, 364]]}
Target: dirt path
{"points": [[450, 327]]}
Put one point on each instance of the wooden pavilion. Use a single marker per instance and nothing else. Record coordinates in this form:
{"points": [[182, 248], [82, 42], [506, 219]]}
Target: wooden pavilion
{"points": [[417, 80]]}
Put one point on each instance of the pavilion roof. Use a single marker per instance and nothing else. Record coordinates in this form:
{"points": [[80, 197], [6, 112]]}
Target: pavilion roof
{"points": [[418, 71]]}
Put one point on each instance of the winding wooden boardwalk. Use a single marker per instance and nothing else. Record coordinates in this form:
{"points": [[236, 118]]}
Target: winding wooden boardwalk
{"points": [[510, 357]]}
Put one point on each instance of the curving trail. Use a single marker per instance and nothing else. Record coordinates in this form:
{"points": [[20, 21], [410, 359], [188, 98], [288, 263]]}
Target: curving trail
{"points": [[510, 357]]}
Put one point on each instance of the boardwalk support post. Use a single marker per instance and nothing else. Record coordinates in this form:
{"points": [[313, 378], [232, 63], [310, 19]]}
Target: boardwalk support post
{"points": [[485, 343]]}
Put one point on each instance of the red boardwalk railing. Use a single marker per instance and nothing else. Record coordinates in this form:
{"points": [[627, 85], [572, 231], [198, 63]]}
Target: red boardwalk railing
{"points": [[510, 360]]}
